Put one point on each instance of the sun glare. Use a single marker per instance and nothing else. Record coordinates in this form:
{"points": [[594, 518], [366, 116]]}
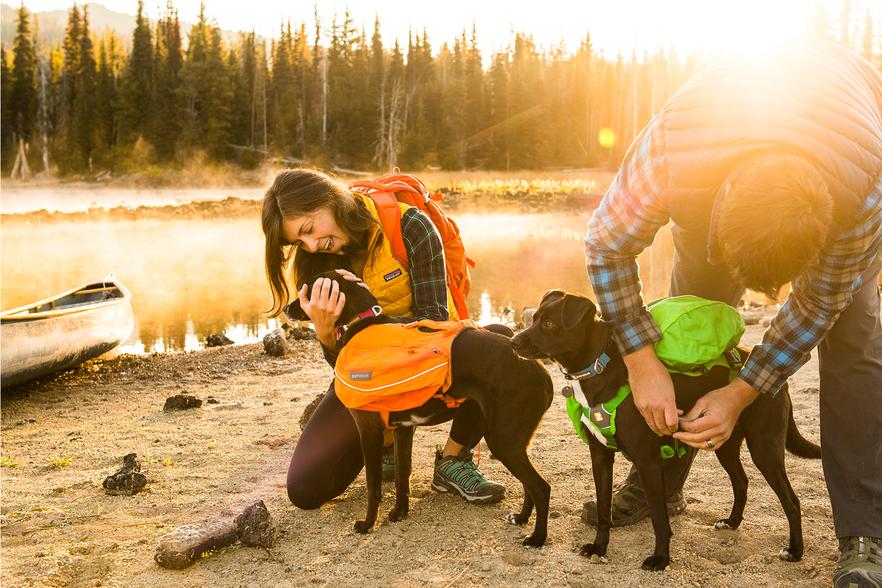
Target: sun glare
{"points": [[745, 28]]}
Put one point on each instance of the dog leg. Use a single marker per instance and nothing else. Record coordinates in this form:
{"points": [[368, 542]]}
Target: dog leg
{"points": [[768, 456], [654, 486], [370, 430], [602, 460], [403, 454], [729, 456], [513, 455], [522, 517]]}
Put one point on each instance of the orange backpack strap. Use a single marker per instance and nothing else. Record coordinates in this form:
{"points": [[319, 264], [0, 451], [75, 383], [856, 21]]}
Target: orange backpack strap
{"points": [[390, 219]]}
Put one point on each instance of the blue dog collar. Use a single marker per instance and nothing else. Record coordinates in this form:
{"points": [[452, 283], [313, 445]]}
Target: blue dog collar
{"points": [[589, 372]]}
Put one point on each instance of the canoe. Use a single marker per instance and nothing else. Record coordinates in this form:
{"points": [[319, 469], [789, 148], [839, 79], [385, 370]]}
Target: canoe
{"points": [[63, 331]]}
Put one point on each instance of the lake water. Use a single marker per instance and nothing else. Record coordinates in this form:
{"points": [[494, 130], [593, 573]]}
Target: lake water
{"points": [[192, 278]]}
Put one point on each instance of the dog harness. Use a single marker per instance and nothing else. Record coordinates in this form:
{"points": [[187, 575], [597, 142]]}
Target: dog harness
{"points": [[697, 334], [393, 366]]}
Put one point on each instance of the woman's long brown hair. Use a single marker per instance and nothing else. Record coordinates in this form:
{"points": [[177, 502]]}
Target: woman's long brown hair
{"points": [[296, 192]]}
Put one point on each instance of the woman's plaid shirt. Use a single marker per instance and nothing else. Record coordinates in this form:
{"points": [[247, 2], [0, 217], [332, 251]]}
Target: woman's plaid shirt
{"points": [[631, 214]]}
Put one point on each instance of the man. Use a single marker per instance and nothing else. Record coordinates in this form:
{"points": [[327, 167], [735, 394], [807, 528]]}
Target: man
{"points": [[771, 172]]}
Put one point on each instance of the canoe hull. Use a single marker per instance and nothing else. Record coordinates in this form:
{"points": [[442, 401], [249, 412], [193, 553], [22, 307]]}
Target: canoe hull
{"points": [[42, 346]]}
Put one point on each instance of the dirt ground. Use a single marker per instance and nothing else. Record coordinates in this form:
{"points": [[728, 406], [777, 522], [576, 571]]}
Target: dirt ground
{"points": [[62, 436]]}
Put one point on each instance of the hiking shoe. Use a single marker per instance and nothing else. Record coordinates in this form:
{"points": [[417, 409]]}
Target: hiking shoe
{"points": [[459, 473], [389, 464], [860, 563], [629, 506]]}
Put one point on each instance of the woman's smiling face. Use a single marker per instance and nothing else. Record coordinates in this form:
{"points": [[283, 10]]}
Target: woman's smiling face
{"points": [[316, 232]]}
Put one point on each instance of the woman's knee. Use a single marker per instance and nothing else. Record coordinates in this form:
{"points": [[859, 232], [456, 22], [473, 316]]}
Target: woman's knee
{"points": [[301, 493], [500, 329]]}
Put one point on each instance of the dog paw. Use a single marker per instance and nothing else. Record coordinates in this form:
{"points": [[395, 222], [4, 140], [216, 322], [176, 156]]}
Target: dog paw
{"points": [[517, 519], [398, 513], [534, 540], [655, 563], [594, 552], [790, 554], [725, 524], [362, 527]]}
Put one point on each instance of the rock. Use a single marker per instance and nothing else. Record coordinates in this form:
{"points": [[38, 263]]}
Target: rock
{"points": [[212, 400], [217, 340], [255, 526], [184, 545], [128, 480], [301, 334], [275, 344], [181, 402], [310, 408]]}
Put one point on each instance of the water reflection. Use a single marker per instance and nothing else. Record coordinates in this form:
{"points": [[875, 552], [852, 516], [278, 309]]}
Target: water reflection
{"points": [[192, 278]]}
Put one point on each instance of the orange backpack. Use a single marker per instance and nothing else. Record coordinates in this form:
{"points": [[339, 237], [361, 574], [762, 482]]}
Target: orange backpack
{"points": [[387, 192], [396, 366]]}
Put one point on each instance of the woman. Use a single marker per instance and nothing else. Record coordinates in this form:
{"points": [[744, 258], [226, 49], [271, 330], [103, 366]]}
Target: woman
{"points": [[305, 212]]}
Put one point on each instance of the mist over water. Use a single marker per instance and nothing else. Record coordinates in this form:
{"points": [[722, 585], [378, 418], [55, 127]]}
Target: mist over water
{"points": [[192, 278]]}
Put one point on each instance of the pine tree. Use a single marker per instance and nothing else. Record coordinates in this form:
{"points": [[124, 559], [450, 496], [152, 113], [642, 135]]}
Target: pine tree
{"points": [[165, 128], [207, 90], [136, 82], [81, 139], [6, 114], [23, 95], [106, 90]]}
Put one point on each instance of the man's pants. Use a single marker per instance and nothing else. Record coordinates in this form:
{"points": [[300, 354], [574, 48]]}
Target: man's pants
{"points": [[850, 390]]}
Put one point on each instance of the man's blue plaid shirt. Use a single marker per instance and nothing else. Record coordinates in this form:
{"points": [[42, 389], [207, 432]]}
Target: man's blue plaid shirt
{"points": [[634, 209]]}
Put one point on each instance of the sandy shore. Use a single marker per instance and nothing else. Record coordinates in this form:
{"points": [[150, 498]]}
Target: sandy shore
{"points": [[62, 436]]}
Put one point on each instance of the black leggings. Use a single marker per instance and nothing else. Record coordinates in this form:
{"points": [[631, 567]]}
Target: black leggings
{"points": [[328, 454]]}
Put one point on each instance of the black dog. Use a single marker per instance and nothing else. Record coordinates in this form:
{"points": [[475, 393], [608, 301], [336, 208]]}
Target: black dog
{"points": [[566, 329], [513, 393]]}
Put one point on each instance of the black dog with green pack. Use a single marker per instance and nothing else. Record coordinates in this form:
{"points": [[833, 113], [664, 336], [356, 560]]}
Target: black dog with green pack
{"points": [[699, 348]]}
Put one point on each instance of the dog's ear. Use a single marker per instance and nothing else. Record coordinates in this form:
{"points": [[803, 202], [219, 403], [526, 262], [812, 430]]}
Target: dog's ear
{"points": [[551, 295], [576, 310], [293, 311]]}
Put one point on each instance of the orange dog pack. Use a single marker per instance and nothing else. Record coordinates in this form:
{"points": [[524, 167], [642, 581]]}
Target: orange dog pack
{"points": [[391, 367]]}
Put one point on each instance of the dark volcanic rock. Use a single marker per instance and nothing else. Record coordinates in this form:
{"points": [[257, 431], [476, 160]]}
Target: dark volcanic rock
{"points": [[181, 402], [187, 543], [301, 334], [217, 340], [256, 526], [275, 344], [128, 480], [310, 408]]}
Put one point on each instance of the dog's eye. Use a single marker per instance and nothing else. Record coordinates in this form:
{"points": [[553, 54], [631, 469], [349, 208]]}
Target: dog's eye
{"points": [[548, 324]]}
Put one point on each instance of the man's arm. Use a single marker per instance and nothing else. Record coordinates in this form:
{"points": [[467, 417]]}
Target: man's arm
{"points": [[630, 215], [819, 296]]}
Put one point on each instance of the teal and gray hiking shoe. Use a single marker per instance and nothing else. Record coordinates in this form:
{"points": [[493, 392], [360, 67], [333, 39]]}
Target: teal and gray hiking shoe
{"points": [[860, 563], [459, 473], [389, 464]]}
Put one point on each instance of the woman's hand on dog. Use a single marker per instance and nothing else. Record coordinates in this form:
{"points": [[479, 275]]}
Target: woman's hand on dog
{"points": [[653, 390], [710, 422], [323, 308]]}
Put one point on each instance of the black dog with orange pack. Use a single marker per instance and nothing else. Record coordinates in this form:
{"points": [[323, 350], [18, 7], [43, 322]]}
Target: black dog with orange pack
{"points": [[456, 358]]}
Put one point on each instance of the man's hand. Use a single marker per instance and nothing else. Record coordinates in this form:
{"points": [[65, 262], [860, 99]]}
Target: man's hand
{"points": [[710, 422], [653, 390], [323, 308]]}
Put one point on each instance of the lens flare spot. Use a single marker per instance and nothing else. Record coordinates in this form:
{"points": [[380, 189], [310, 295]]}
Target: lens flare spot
{"points": [[606, 137]]}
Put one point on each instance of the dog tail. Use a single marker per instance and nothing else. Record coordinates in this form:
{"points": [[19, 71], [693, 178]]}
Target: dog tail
{"points": [[797, 444]]}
